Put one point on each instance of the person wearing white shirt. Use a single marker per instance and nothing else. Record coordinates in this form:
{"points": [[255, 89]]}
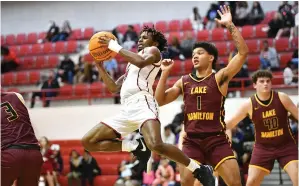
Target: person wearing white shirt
{"points": [[168, 136], [288, 74]]}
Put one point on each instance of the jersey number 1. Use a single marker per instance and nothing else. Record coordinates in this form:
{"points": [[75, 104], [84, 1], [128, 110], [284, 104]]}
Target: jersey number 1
{"points": [[10, 111], [198, 102]]}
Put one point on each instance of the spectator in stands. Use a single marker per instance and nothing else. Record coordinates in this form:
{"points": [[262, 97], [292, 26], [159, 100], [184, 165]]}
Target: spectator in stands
{"points": [[187, 45], [130, 173], [256, 14], [288, 19], [241, 14], [164, 174], [9, 61], [168, 136], [269, 57], [58, 163], [90, 169], [79, 70], [288, 74], [51, 83], [74, 176], [118, 35], [175, 50], [52, 32], [196, 20], [274, 25], [130, 38], [66, 70], [48, 157], [111, 67], [64, 33], [211, 15]]}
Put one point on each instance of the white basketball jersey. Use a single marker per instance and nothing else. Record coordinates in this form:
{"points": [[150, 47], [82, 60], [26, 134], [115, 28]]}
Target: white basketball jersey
{"points": [[139, 79]]}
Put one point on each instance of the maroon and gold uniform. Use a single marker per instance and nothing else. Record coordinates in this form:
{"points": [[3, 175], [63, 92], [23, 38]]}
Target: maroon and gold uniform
{"points": [[273, 136], [21, 159], [206, 140]]}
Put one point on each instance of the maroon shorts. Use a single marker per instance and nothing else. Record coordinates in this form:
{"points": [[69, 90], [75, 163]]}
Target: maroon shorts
{"points": [[263, 157], [212, 150], [23, 165]]}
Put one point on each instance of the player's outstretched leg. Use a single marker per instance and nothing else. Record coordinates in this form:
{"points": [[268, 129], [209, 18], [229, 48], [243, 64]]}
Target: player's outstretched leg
{"points": [[151, 131], [105, 139], [292, 169], [256, 176], [101, 138]]}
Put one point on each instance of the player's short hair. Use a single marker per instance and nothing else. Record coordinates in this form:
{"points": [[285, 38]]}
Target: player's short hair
{"points": [[261, 74], [210, 48], [157, 37]]}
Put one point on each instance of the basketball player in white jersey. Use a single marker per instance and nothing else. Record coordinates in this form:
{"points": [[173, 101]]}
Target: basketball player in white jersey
{"points": [[140, 110]]}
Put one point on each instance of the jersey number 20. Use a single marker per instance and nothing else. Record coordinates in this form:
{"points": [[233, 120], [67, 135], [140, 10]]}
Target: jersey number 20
{"points": [[10, 111]]}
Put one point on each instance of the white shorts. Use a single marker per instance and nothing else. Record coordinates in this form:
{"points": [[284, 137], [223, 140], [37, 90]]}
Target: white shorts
{"points": [[135, 111]]}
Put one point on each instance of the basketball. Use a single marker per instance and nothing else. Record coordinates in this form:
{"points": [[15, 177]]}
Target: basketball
{"points": [[99, 51]]}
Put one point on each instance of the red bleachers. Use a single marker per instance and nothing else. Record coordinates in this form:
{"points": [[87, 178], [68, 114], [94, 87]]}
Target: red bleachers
{"points": [[282, 44], [218, 34], [161, 26], [203, 35], [258, 31], [247, 32], [32, 38], [21, 39], [174, 25], [10, 39], [186, 25]]}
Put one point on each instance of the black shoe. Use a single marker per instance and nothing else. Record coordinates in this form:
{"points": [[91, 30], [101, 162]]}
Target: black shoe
{"points": [[143, 154], [205, 175]]}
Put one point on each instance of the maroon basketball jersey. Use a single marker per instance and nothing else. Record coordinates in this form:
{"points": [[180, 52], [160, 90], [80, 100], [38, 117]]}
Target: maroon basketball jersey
{"points": [[16, 126], [271, 122], [204, 105]]}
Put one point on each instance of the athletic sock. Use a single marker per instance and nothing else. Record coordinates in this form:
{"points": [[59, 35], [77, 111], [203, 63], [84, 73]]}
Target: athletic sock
{"points": [[129, 145], [193, 165]]}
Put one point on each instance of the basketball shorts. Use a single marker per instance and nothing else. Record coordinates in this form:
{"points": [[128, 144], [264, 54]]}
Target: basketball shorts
{"points": [[212, 150], [136, 110], [22, 165], [264, 157]]}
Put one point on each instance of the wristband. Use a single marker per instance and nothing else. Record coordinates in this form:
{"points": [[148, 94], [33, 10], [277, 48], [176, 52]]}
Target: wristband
{"points": [[114, 46]]}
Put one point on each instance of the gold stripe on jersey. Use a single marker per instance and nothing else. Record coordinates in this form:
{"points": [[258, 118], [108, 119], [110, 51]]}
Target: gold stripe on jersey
{"points": [[261, 168], [201, 79], [221, 118], [255, 96]]}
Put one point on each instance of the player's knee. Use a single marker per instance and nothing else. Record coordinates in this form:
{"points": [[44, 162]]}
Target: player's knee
{"points": [[86, 142], [250, 182]]}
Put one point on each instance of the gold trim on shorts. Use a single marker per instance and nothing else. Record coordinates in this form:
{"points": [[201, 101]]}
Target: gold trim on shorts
{"points": [[221, 161], [284, 168], [261, 168]]}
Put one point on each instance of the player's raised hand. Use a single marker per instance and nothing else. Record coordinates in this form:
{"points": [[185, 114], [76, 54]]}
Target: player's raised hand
{"points": [[166, 64], [226, 16]]}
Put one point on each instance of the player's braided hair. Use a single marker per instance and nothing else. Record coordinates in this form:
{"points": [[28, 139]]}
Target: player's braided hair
{"points": [[261, 74], [157, 37]]}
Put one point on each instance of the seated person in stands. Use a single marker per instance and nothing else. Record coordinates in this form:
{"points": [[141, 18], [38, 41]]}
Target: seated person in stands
{"points": [[48, 165], [164, 174], [111, 67], [168, 136], [175, 50], [256, 14], [130, 173], [268, 57], [130, 38], [58, 162], [9, 61], [187, 45], [74, 176], [51, 83], [289, 20], [64, 33], [289, 74], [52, 32], [90, 169], [66, 70]]}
